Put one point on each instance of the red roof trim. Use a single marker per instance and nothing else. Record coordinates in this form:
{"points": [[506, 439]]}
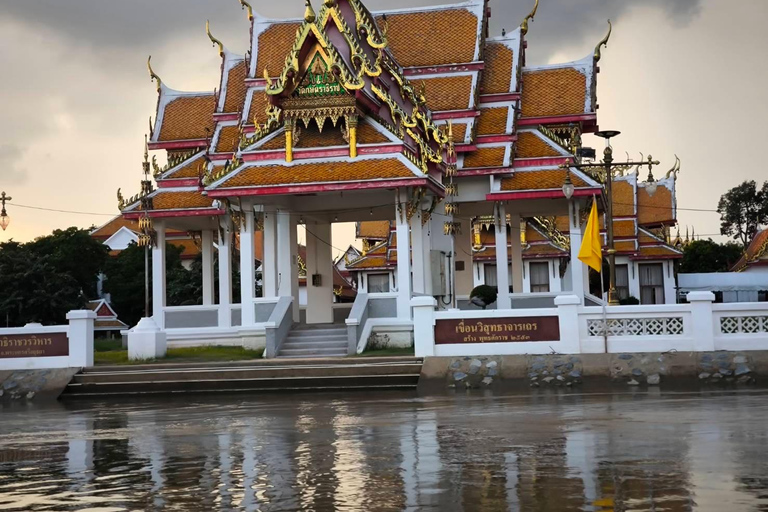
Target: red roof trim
{"points": [[499, 98], [541, 162], [535, 121], [327, 187], [179, 144], [178, 182], [484, 171], [224, 116], [200, 212], [454, 114], [446, 68], [488, 139]]}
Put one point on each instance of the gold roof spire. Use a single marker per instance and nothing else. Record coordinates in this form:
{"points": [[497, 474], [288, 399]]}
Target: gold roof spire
{"points": [[524, 24], [309, 12], [675, 168], [213, 39], [152, 74], [245, 5], [604, 42]]}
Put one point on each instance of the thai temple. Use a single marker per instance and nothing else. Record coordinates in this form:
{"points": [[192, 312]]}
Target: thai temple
{"points": [[446, 147]]}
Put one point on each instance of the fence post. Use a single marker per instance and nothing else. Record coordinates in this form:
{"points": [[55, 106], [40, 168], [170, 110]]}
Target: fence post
{"points": [[80, 334], [424, 325], [568, 311], [702, 324]]}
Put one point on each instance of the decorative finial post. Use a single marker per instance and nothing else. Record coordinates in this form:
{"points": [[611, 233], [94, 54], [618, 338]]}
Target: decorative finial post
{"points": [[309, 12], [4, 218], [245, 5], [604, 42], [213, 39], [524, 24]]}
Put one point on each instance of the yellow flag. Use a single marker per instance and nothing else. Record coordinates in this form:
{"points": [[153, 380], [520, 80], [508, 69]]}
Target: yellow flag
{"points": [[591, 251]]}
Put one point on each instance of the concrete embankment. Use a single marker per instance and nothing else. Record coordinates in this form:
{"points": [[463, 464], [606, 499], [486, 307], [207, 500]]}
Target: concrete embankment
{"points": [[556, 370], [37, 385]]}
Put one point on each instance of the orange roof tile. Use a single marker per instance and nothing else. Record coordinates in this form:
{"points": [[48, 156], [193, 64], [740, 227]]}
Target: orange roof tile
{"points": [[492, 121], [654, 209], [368, 262], [113, 226], [373, 229], [553, 92], [497, 75], [623, 198], [229, 137], [459, 132], [311, 137], [368, 134], [358, 170], [258, 108], [188, 247], [529, 145], [624, 228], [187, 117], [659, 250], [485, 157], [447, 93], [277, 142], [533, 235], [625, 246], [540, 180], [235, 88], [431, 38], [191, 169], [274, 44], [542, 250], [171, 200]]}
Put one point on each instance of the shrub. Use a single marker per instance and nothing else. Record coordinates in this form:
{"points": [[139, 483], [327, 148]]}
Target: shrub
{"points": [[485, 295]]}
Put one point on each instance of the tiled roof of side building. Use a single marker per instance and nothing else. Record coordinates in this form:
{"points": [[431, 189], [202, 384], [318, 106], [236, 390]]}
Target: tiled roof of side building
{"points": [[544, 179], [529, 145], [497, 74], [358, 170], [757, 250], [623, 198], [661, 251], [447, 93], [274, 44], [187, 117], [432, 37], [113, 226], [229, 137], [485, 157], [190, 168], [553, 92], [258, 108], [169, 199], [373, 230], [543, 251]]}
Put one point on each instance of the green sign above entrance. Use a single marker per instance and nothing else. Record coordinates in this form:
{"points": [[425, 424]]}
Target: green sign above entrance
{"points": [[319, 80]]}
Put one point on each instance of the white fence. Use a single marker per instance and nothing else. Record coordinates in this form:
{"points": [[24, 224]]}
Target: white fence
{"points": [[35, 347], [699, 326]]}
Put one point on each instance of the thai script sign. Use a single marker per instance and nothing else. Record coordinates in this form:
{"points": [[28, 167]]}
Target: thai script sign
{"points": [[34, 345], [319, 80], [497, 330]]}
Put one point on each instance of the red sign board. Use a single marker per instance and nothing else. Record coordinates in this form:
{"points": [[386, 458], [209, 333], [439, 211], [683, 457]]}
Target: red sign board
{"points": [[34, 345], [497, 330]]}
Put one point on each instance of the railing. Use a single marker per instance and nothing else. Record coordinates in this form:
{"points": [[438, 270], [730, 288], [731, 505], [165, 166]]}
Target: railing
{"points": [[369, 312], [278, 326], [187, 317], [740, 326]]}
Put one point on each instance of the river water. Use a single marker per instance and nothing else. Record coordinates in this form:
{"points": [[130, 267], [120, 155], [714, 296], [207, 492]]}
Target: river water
{"points": [[391, 451]]}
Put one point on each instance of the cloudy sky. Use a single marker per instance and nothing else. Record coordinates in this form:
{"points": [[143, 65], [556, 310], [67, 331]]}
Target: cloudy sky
{"points": [[679, 77]]}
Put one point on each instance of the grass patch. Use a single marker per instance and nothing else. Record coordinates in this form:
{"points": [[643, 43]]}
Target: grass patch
{"points": [[208, 354], [106, 345], [388, 352]]}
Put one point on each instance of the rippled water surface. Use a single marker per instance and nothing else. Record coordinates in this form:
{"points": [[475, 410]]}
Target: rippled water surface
{"points": [[392, 451]]}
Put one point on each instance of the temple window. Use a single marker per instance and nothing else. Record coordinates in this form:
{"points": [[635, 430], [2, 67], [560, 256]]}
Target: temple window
{"points": [[651, 283], [378, 283], [539, 277], [622, 281]]}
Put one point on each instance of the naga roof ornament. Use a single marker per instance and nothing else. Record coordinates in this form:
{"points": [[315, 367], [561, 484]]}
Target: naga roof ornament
{"points": [[524, 24], [675, 169], [604, 42], [152, 74], [309, 12], [245, 5], [213, 39]]}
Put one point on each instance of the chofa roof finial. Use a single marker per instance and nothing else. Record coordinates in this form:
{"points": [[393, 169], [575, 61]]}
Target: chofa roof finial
{"points": [[152, 74], [213, 39], [309, 12], [675, 168], [604, 42], [524, 24], [247, 6]]}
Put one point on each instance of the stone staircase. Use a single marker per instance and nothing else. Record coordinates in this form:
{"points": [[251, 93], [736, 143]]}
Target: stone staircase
{"points": [[247, 376], [315, 341]]}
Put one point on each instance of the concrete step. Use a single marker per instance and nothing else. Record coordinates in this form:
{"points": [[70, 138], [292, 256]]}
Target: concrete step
{"points": [[320, 333], [315, 352], [338, 347], [326, 337]]}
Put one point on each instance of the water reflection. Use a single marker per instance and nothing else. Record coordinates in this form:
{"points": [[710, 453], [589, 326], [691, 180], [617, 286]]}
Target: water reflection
{"points": [[674, 452]]}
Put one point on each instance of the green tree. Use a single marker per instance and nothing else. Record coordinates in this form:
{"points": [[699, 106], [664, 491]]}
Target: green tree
{"points": [[743, 210], [702, 256], [74, 252], [34, 288]]}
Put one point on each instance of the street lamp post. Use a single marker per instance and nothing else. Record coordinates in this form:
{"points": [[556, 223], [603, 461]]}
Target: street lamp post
{"points": [[606, 170], [4, 218], [147, 238]]}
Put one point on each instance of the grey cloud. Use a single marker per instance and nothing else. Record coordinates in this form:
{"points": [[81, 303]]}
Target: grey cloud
{"points": [[10, 156], [145, 24]]}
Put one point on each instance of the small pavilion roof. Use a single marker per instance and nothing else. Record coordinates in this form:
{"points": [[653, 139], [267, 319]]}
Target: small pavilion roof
{"points": [[756, 253]]}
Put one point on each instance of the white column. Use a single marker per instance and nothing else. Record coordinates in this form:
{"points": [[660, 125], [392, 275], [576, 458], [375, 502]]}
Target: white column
{"points": [[225, 273], [702, 320], [158, 275], [287, 259], [579, 274], [424, 325], [418, 255], [502, 270], [670, 290], [269, 263], [465, 280], [207, 242], [568, 313], [80, 336], [247, 267], [320, 263], [403, 258], [517, 253]]}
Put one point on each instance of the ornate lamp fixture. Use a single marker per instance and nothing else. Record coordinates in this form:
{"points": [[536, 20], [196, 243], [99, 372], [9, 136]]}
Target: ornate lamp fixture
{"points": [[4, 218], [568, 187], [651, 184]]}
